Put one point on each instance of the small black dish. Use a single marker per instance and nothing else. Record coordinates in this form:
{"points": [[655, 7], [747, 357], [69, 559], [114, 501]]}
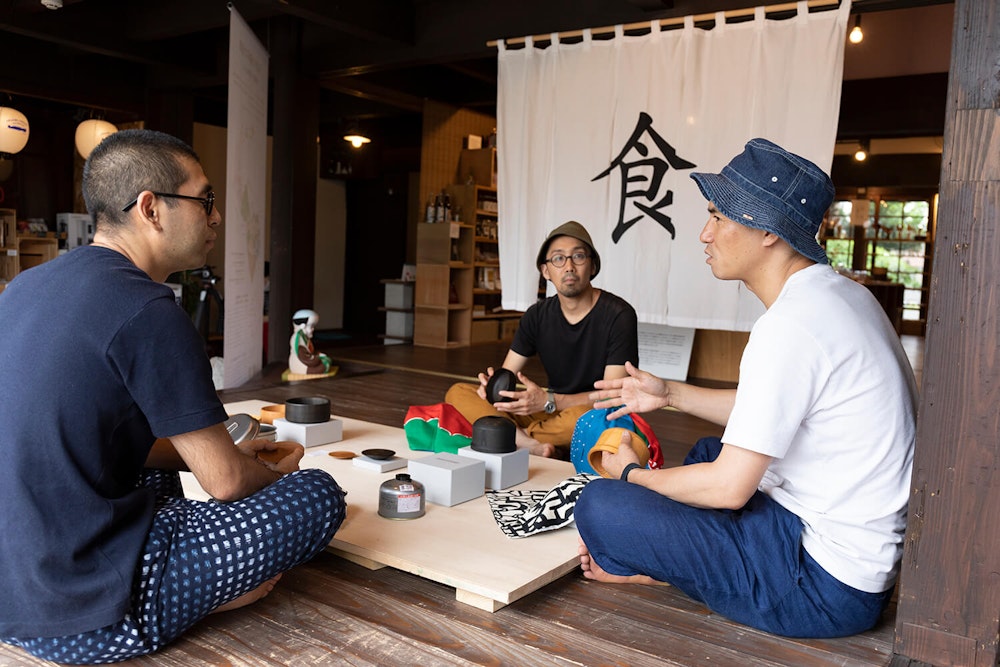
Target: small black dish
{"points": [[378, 454], [308, 410], [501, 380]]}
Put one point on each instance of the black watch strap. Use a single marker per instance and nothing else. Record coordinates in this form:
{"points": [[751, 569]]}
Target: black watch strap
{"points": [[629, 468]]}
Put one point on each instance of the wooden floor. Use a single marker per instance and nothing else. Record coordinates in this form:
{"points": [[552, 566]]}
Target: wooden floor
{"points": [[334, 612]]}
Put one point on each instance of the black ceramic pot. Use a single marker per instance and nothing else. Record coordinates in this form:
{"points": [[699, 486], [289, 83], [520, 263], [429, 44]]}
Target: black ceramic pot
{"points": [[494, 435]]}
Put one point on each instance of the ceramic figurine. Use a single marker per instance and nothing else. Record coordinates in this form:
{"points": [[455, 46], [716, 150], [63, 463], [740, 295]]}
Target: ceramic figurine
{"points": [[302, 357]]}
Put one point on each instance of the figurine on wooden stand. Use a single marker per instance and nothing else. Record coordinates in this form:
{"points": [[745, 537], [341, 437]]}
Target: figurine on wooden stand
{"points": [[303, 360]]}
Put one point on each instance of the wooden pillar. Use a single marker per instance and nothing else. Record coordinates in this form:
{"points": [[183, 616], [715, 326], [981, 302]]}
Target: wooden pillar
{"points": [[949, 600], [295, 126]]}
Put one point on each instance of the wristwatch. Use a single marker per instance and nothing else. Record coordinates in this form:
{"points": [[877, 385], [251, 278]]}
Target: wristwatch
{"points": [[550, 405]]}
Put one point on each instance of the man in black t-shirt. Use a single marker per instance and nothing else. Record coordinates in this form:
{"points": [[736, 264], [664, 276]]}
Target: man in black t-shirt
{"points": [[581, 335]]}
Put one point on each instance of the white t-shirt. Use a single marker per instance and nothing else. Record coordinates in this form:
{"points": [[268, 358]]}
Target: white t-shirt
{"points": [[826, 389]]}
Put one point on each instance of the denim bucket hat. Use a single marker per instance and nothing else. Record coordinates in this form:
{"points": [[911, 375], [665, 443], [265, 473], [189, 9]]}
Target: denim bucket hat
{"points": [[768, 188], [577, 231]]}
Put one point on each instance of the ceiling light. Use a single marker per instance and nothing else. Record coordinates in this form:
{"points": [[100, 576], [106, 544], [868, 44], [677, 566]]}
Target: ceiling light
{"points": [[856, 34], [52, 4], [357, 140], [862, 153], [14, 131]]}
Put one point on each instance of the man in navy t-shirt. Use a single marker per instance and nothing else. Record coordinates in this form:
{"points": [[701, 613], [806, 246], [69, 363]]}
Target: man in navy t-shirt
{"points": [[107, 394]]}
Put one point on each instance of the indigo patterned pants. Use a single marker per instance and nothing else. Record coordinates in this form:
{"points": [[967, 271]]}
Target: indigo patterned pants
{"points": [[200, 555]]}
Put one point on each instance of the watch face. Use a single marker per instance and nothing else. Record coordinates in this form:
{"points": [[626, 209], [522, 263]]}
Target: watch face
{"points": [[550, 407]]}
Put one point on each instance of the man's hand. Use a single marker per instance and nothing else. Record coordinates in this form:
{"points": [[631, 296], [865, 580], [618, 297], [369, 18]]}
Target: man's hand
{"points": [[637, 393], [484, 378], [615, 462], [282, 456], [526, 402]]}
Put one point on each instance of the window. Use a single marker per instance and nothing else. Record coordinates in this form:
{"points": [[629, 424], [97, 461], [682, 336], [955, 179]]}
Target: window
{"points": [[897, 234]]}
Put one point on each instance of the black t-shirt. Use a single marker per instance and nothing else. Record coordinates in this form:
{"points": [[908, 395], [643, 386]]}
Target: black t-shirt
{"points": [[574, 355]]}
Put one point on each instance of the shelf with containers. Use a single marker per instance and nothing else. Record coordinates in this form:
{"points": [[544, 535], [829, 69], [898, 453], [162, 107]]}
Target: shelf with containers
{"points": [[477, 205], [442, 300]]}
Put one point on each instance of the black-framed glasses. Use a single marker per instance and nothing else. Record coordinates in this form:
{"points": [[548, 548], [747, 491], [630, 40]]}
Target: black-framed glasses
{"points": [[578, 258], [207, 202]]}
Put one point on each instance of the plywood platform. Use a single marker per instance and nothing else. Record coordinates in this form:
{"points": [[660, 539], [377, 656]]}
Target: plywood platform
{"points": [[459, 546]]}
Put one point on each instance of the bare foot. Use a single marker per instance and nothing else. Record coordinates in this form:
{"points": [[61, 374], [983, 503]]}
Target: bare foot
{"points": [[525, 441], [591, 570], [249, 598]]}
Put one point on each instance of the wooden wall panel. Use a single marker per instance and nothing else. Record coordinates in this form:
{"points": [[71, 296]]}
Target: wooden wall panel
{"points": [[444, 127], [949, 601]]}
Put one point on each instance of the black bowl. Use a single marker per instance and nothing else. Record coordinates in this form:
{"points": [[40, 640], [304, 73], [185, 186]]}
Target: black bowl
{"points": [[378, 454], [308, 410], [501, 380]]}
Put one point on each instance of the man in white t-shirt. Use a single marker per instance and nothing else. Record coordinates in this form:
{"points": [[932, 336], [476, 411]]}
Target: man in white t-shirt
{"points": [[793, 521]]}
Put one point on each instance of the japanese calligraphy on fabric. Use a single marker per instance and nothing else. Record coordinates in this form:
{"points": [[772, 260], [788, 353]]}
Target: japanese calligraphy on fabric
{"points": [[606, 131]]}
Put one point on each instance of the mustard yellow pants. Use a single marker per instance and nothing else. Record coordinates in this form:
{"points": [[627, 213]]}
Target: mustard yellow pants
{"points": [[555, 429]]}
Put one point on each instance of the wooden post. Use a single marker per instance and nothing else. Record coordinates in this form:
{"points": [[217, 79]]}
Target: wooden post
{"points": [[949, 599], [295, 125]]}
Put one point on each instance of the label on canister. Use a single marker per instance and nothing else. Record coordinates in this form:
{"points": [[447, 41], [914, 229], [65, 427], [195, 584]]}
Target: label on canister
{"points": [[401, 498]]}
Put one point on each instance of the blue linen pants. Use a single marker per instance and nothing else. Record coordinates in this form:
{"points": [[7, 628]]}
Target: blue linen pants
{"points": [[747, 565], [200, 555]]}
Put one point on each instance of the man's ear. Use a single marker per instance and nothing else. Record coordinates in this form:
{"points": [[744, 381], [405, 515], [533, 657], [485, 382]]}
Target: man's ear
{"points": [[545, 271], [770, 238], [148, 206]]}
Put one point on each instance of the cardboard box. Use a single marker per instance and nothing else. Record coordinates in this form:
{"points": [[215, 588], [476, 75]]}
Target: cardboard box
{"points": [[480, 165], [483, 331], [508, 328], [449, 479]]}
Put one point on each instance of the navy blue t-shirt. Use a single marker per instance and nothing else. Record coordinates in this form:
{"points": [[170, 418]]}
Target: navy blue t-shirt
{"points": [[96, 360], [574, 355]]}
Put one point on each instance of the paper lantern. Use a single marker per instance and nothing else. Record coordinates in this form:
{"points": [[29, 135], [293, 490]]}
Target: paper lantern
{"points": [[91, 132], [13, 130]]}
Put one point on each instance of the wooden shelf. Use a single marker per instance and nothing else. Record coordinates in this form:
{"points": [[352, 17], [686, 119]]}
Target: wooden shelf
{"points": [[448, 271]]}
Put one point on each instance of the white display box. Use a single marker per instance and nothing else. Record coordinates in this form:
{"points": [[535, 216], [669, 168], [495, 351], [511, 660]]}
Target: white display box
{"points": [[399, 324], [398, 295], [379, 465], [310, 435], [502, 470], [79, 228], [449, 479]]}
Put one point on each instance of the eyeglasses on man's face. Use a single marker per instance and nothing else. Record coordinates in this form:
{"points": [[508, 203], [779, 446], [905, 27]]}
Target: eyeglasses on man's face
{"points": [[207, 202], [559, 261]]}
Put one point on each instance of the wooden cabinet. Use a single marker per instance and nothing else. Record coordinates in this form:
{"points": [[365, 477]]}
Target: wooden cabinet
{"points": [[442, 297], [457, 299], [20, 252], [8, 246], [490, 322]]}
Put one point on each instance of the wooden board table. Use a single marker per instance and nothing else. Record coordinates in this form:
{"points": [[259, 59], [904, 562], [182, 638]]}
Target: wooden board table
{"points": [[460, 546]]}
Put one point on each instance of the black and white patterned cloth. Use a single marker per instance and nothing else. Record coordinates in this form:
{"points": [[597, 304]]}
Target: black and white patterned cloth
{"points": [[523, 513]]}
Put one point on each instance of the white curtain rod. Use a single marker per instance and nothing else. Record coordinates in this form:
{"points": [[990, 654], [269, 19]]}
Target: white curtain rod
{"points": [[735, 13]]}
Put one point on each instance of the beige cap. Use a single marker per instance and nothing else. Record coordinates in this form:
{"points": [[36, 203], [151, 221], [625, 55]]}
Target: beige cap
{"points": [[577, 231]]}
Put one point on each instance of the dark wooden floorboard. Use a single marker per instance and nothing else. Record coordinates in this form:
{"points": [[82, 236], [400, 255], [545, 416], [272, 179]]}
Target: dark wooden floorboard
{"points": [[334, 612]]}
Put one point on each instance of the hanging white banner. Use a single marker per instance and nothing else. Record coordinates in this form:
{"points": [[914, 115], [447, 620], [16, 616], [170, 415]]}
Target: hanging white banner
{"points": [[607, 132], [246, 172]]}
